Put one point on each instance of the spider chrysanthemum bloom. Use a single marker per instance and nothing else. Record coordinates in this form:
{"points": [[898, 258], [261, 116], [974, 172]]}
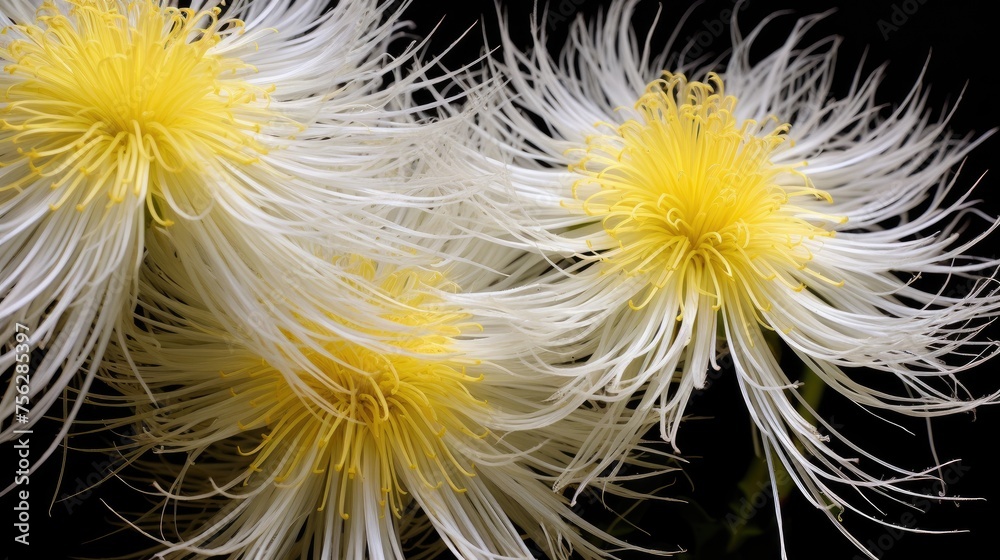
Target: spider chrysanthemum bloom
{"points": [[357, 457], [691, 198], [718, 210], [118, 115], [126, 100]]}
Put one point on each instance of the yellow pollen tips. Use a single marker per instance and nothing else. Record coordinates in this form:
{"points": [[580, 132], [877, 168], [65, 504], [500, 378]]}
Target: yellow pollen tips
{"points": [[386, 417], [121, 97], [369, 417], [692, 199]]}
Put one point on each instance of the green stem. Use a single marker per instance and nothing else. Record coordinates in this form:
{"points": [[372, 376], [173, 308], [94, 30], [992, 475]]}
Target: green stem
{"points": [[755, 485]]}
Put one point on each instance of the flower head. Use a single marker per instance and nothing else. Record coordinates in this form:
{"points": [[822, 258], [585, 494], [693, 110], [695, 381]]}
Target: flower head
{"points": [[358, 456], [127, 99], [717, 211], [690, 196], [121, 115]]}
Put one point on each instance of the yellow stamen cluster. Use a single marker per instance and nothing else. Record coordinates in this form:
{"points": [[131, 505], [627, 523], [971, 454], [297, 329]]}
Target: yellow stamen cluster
{"points": [[113, 96], [382, 413], [693, 199], [405, 295], [370, 414]]}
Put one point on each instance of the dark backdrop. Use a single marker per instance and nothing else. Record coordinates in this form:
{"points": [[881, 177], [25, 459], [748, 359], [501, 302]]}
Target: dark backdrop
{"points": [[961, 43]]}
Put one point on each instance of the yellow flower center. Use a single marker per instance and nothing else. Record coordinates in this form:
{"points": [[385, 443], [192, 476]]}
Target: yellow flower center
{"points": [[372, 414], [115, 96], [692, 198], [381, 413]]}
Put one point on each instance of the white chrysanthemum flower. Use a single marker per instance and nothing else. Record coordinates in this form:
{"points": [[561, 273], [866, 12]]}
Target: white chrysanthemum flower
{"points": [[254, 132], [709, 212], [267, 470]]}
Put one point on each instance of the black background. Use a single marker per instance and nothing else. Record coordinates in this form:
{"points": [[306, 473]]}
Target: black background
{"points": [[961, 43]]}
